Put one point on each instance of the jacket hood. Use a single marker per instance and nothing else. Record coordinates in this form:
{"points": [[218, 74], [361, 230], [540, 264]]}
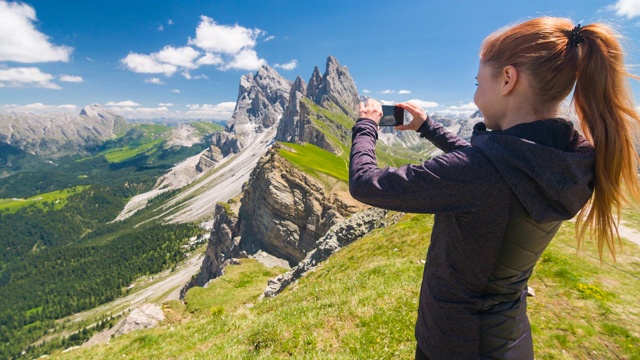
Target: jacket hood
{"points": [[547, 163]]}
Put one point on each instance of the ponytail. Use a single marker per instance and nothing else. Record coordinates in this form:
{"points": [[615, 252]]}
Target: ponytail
{"points": [[602, 99], [559, 56]]}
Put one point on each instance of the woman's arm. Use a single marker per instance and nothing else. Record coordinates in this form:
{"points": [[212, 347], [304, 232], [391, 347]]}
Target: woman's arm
{"points": [[455, 182]]}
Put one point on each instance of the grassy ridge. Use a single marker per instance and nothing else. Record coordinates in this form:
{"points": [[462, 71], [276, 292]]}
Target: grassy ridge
{"points": [[312, 159], [362, 303]]}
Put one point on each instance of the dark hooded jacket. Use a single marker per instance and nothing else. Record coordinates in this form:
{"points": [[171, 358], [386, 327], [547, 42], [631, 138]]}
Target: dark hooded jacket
{"points": [[497, 201]]}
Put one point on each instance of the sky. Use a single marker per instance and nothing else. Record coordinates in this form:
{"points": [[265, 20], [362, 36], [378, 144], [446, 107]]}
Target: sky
{"points": [[184, 59]]}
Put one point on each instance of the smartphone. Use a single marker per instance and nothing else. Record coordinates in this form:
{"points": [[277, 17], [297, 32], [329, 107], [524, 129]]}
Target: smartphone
{"points": [[392, 115]]}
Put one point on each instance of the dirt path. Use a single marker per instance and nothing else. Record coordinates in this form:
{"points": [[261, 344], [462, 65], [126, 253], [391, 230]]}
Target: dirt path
{"points": [[629, 233]]}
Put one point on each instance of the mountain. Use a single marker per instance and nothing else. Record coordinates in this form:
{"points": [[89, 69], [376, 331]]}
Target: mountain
{"points": [[298, 190], [261, 101], [55, 135]]}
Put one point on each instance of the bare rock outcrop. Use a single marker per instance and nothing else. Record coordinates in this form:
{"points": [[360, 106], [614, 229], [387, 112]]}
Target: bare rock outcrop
{"points": [[285, 211], [289, 126], [338, 87], [337, 237], [262, 99], [224, 244], [143, 317], [320, 115]]}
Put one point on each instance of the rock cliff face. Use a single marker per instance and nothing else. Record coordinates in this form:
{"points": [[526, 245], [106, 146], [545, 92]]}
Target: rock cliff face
{"points": [[312, 118], [337, 237], [54, 135], [285, 211], [262, 99], [338, 87], [289, 126], [224, 244]]}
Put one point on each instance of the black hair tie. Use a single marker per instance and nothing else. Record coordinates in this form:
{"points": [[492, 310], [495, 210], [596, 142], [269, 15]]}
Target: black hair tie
{"points": [[576, 36]]}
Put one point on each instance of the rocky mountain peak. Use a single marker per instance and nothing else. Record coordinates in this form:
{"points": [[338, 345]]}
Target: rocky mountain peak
{"points": [[314, 83], [289, 126], [262, 99], [97, 111], [338, 86]]}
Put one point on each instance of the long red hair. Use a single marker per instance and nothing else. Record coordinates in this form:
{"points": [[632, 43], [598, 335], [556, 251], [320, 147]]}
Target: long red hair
{"points": [[589, 60]]}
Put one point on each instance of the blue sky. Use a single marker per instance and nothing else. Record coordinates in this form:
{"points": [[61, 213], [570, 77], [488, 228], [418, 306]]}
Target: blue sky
{"points": [[184, 59]]}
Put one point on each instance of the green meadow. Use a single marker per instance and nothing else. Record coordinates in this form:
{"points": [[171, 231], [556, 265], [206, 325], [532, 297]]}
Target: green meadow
{"points": [[51, 200]]}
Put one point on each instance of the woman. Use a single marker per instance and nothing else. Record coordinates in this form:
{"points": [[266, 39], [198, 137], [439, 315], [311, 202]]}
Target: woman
{"points": [[499, 200]]}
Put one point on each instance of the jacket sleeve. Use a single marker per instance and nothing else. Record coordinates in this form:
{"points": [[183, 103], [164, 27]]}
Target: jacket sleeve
{"points": [[441, 137], [454, 182]]}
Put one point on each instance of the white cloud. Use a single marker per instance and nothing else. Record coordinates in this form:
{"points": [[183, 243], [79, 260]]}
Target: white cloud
{"points": [[39, 108], [154, 80], [216, 38], [20, 40], [468, 106], [459, 110], [71, 78], [246, 59], [141, 112], [26, 77], [424, 104], [122, 103], [147, 64], [201, 76], [181, 57], [366, 91], [210, 59], [269, 38], [288, 66], [225, 46], [166, 61], [175, 91], [402, 92], [386, 92], [169, 22], [627, 8], [160, 28], [221, 111]]}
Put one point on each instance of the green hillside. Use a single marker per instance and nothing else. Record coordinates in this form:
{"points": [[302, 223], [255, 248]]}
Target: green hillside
{"points": [[362, 304]]}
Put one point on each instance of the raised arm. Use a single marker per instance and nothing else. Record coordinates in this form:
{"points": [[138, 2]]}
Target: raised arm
{"points": [[455, 182]]}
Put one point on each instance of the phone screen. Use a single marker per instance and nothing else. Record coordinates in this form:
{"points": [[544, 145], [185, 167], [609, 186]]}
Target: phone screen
{"points": [[392, 115]]}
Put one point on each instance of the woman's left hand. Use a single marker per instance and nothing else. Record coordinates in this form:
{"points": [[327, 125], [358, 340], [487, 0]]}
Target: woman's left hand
{"points": [[371, 109]]}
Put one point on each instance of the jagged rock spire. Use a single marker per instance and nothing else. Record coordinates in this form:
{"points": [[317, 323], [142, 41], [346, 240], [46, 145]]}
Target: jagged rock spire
{"points": [[337, 86], [288, 128], [262, 99], [314, 84]]}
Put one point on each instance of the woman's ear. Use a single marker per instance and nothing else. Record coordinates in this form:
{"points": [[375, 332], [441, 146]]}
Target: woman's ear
{"points": [[509, 77]]}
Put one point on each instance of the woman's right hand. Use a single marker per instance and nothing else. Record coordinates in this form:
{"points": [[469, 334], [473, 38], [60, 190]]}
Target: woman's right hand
{"points": [[418, 113]]}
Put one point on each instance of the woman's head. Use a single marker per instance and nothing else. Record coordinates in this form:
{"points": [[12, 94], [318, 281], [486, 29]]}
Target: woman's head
{"points": [[556, 56], [542, 49]]}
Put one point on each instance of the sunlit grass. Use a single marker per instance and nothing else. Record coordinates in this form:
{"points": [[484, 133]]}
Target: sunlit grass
{"points": [[312, 159], [55, 200]]}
